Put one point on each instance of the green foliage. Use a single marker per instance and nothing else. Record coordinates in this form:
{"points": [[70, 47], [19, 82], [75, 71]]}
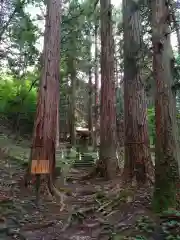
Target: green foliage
{"points": [[170, 212], [18, 97], [20, 35], [17, 104], [139, 237], [145, 224], [171, 224]]}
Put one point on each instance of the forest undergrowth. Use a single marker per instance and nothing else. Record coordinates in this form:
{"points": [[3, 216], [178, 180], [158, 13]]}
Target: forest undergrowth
{"points": [[93, 209]]}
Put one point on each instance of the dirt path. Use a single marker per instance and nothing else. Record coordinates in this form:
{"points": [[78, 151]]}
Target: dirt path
{"points": [[81, 219], [94, 210], [84, 217]]}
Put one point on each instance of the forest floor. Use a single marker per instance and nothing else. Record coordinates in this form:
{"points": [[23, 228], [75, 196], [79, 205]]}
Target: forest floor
{"points": [[94, 209]]}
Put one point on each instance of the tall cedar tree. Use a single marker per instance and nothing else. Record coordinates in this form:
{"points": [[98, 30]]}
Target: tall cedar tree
{"points": [[108, 166], [137, 153], [90, 100], [72, 99], [44, 136], [166, 170], [96, 71]]}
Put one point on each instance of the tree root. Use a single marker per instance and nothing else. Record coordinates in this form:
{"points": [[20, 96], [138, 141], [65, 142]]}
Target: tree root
{"points": [[48, 186], [55, 192], [68, 224], [129, 179], [77, 215]]}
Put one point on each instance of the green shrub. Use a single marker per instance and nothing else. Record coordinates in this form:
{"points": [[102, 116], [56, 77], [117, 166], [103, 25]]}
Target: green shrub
{"points": [[17, 103]]}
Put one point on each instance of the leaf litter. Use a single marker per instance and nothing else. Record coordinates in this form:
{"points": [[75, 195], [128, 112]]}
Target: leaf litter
{"points": [[94, 209]]}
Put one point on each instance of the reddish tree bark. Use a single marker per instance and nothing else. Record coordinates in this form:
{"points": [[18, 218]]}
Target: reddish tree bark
{"points": [[72, 105], [57, 130], [167, 150], [137, 153], [108, 161], [45, 126], [90, 117], [96, 116]]}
